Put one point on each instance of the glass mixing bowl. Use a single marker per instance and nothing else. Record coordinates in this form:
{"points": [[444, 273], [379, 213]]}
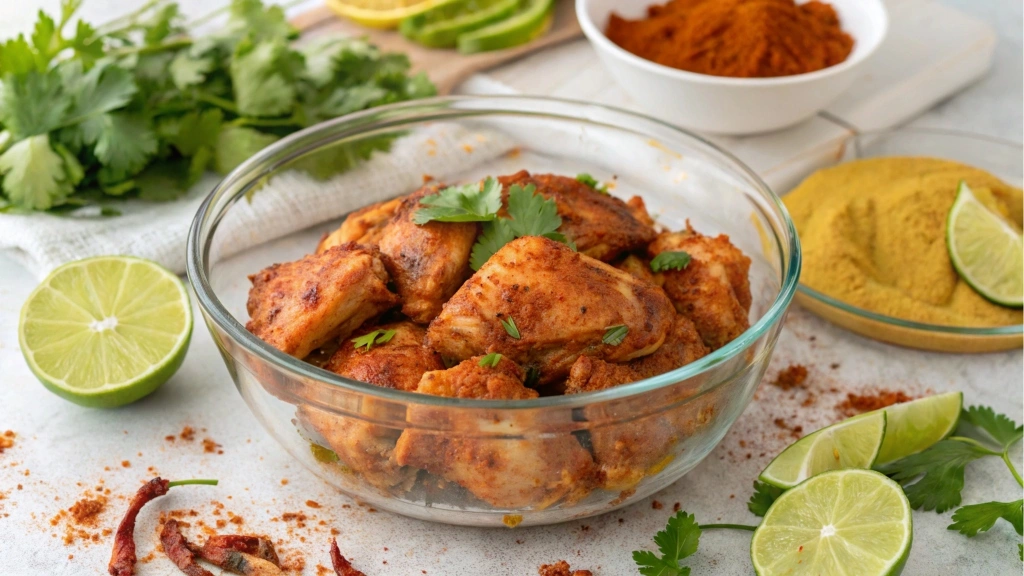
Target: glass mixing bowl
{"points": [[523, 462]]}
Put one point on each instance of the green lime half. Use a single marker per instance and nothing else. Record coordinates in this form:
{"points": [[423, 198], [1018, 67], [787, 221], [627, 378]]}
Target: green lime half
{"points": [[441, 26], [526, 25], [839, 522], [985, 250], [106, 331], [852, 443], [914, 426]]}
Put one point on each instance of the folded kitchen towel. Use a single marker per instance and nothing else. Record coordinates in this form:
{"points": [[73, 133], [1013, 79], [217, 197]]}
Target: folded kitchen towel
{"points": [[289, 202]]}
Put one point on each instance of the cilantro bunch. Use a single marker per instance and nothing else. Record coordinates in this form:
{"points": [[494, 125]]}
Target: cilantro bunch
{"points": [[141, 106]]}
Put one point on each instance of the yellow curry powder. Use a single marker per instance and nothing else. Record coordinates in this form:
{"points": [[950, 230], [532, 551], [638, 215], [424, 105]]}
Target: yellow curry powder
{"points": [[873, 234]]}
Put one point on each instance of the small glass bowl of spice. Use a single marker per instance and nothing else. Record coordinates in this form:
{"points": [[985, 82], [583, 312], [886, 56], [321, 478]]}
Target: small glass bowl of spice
{"points": [[734, 66]]}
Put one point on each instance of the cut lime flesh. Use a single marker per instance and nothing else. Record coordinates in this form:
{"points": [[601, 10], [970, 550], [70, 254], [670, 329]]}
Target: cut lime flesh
{"points": [[106, 331], [528, 24], [441, 26], [852, 443], [914, 426], [840, 522], [985, 250]]}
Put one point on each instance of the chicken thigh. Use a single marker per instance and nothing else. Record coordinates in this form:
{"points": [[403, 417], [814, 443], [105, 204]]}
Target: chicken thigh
{"points": [[486, 452], [713, 290], [562, 304], [298, 306], [362, 226]]}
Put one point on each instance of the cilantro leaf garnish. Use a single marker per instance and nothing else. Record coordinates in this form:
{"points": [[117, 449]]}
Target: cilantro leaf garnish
{"points": [[490, 360], [677, 541], [511, 328], [974, 518], [670, 261], [763, 497], [495, 234], [934, 478], [587, 179], [468, 203], [530, 214], [614, 335], [367, 341], [1000, 428]]}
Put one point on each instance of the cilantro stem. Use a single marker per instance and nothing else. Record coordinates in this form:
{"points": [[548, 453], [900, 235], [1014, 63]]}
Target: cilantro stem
{"points": [[974, 442], [192, 481], [1013, 470], [727, 527], [151, 48], [265, 122], [128, 18], [218, 102]]}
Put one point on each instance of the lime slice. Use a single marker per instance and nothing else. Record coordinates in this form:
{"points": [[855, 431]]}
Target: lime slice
{"points": [[380, 13], [839, 522], [985, 250], [529, 23], [914, 426], [441, 26], [106, 331], [852, 443]]}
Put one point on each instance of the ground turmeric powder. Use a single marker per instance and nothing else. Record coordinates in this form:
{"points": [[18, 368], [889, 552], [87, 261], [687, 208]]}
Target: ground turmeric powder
{"points": [[873, 235], [740, 38]]}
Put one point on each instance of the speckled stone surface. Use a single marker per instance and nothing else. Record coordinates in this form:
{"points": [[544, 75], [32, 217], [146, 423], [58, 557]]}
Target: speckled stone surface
{"points": [[63, 453]]}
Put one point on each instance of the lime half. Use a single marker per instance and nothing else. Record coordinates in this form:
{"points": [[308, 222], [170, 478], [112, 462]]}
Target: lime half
{"points": [[985, 250], [441, 26], [106, 331], [914, 426], [852, 443], [526, 25], [839, 522]]}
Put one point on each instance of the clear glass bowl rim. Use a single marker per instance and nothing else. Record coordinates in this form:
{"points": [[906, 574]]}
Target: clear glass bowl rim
{"points": [[281, 153], [854, 139]]}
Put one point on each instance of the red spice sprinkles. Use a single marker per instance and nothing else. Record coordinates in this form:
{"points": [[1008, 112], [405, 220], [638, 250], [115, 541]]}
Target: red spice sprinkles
{"points": [[860, 403], [7, 440], [561, 568], [793, 376]]}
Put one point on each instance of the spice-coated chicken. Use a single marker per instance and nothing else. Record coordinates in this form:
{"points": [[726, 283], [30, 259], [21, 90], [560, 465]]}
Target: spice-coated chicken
{"points": [[299, 306], [562, 304], [714, 289], [505, 471], [362, 226]]}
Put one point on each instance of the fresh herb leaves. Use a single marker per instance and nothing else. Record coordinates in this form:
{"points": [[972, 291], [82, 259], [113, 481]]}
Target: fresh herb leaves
{"points": [[934, 478], [763, 497], [140, 107], [530, 214], [1002, 430], [974, 518], [491, 360], [587, 179], [368, 340], [670, 261], [677, 541], [511, 328], [495, 234], [469, 203], [614, 335]]}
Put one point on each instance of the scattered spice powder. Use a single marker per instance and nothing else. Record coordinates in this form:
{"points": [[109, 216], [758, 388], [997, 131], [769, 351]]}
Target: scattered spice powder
{"points": [[81, 519], [858, 403], [793, 376], [312, 503], [7, 440], [656, 505], [795, 431], [209, 446], [561, 568], [188, 434]]}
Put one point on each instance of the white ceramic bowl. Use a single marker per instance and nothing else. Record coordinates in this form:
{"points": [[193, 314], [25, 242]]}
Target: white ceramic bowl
{"points": [[725, 105]]}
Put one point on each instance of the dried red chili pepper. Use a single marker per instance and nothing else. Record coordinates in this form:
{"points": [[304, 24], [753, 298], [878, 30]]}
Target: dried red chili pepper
{"points": [[122, 559], [240, 554], [342, 567], [179, 550], [256, 546]]}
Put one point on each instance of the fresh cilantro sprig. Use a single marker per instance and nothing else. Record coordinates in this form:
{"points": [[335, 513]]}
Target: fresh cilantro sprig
{"points": [[529, 214], [469, 203], [670, 261], [491, 360], [763, 497], [141, 107], [510, 328], [614, 335], [974, 518], [590, 181], [678, 541], [368, 340]]}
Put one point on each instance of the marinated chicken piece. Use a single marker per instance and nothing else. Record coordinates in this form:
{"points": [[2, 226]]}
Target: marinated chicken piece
{"points": [[602, 226], [640, 268], [428, 262], [682, 346], [713, 290], [298, 306], [562, 303], [398, 363], [626, 452], [504, 471], [362, 226]]}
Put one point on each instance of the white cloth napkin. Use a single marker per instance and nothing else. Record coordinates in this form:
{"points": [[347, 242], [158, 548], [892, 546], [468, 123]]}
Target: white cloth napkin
{"points": [[290, 202]]}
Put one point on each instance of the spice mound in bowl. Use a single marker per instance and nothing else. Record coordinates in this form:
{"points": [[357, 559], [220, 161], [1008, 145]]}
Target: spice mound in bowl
{"points": [[737, 38]]}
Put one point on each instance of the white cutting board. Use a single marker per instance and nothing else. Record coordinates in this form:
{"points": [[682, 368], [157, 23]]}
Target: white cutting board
{"points": [[931, 52]]}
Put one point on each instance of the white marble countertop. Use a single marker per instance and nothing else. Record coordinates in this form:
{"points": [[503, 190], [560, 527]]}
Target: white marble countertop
{"points": [[63, 452]]}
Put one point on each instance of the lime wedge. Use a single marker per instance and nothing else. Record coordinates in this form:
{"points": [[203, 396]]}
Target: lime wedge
{"points": [[852, 443], [985, 250], [380, 13], [839, 522], [529, 23], [106, 331], [441, 26], [914, 426]]}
